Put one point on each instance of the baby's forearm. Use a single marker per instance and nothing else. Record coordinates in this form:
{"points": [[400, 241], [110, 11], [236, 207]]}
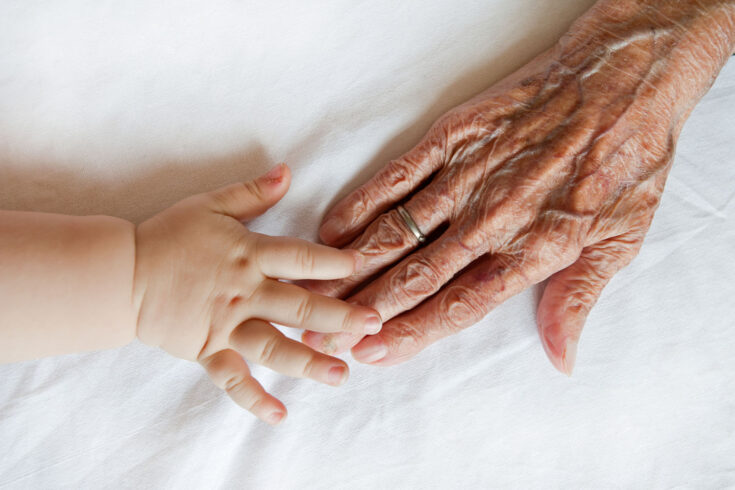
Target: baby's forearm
{"points": [[65, 284]]}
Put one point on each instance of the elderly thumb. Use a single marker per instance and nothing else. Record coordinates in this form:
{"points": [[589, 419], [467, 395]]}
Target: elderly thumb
{"points": [[571, 293]]}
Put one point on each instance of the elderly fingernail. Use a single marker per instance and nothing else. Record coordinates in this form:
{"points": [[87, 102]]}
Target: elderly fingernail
{"points": [[370, 349], [329, 230], [559, 346], [337, 375], [373, 324], [569, 357]]}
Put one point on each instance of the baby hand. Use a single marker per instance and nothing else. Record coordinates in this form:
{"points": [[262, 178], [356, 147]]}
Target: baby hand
{"points": [[207, 288]]}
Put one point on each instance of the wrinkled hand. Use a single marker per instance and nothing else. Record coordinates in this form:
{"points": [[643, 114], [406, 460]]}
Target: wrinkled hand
{"points": [[556, 172]]}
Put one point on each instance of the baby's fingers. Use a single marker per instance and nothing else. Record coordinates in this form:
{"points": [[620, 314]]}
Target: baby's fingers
{"points": [[291, 258], [259, 341], [228, 370], [293, 306]]}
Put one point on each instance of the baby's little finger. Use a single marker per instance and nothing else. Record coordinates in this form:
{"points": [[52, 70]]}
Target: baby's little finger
{"points": [[259, 341], [229, 371]]}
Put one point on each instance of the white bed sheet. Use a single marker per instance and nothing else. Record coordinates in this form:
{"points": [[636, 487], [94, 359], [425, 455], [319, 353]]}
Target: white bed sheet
{"points": [[124, 107]]}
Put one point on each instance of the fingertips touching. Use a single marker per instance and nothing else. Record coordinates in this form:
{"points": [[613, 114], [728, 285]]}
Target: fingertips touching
{"points": [[262, 343], [389, 239], [331, 343], [370, 350]]}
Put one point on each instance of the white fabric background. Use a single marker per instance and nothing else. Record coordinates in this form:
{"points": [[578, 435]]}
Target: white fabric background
{"points": [[124, 107]]}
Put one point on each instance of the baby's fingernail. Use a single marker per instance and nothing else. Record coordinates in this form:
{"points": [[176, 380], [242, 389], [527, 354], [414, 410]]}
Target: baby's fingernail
{"points": [[370, 349], [359, 261], [275, 175], [373, 324], [275, 418], [337, 375]]}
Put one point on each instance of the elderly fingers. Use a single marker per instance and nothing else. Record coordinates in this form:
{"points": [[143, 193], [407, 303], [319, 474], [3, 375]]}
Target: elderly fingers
{"points": [[385, 189], [403, 287], [416, 277], [486, 283], [228, 371], [261, 342], [571, 293], [390, 237]]}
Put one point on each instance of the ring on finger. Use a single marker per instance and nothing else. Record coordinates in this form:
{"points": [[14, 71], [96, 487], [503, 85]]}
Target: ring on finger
{"points": [[411, 224]]}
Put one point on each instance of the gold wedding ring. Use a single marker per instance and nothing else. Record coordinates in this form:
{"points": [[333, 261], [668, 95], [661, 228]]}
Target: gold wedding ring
{"points": [[411, 224]]}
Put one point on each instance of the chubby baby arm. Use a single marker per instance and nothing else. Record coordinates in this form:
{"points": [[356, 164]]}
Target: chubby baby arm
{"points": [[191, 280], [66, 284]]}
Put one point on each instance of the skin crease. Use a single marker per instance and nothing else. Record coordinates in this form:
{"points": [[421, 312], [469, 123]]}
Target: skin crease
{"points": [[554, 172]]}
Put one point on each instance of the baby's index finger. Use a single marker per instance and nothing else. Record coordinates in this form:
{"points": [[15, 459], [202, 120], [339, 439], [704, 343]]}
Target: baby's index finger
{"points": [[292, 258], [293, 306]]}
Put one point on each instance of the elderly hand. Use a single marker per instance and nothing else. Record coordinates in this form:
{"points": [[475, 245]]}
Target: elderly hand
{"points": [[555, 171]]}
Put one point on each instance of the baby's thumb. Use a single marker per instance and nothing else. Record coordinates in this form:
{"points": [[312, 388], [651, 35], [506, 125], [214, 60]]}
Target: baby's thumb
{"points": [[246, 200]]}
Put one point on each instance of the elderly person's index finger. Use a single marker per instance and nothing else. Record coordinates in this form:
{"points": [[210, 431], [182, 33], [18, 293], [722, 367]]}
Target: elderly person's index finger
{"points": [[385, 189]]}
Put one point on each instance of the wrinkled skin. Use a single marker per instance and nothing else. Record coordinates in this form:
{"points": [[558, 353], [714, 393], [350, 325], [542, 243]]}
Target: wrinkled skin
{"points": [[555, 172]]}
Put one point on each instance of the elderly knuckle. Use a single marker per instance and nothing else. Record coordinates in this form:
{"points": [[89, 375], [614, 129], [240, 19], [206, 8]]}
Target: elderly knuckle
{"points": [[362, 201], [462, 307], [391, 297], [385, 236], [582, 298], [420, 277], [398, 175], [406, 336]]}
